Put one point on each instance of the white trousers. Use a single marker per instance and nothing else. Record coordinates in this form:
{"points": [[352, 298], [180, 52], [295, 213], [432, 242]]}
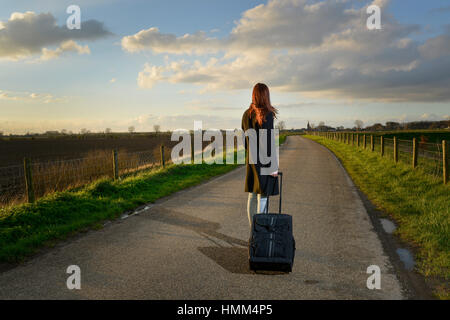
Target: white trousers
{"points": [[255, 204]]}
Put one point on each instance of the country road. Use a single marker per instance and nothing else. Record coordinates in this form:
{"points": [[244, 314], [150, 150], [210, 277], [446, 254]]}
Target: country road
{"points": [[193, 245]]}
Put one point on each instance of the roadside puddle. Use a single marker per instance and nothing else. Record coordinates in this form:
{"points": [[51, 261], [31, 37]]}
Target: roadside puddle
{"points": [[407, 258], [388, 225], [404, 254]]}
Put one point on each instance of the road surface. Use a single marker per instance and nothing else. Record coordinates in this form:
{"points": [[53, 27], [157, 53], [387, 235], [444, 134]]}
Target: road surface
{"points": [[193, 245]]}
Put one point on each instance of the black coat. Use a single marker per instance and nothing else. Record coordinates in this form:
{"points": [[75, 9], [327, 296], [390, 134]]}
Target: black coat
{"points": [[254, 181]]}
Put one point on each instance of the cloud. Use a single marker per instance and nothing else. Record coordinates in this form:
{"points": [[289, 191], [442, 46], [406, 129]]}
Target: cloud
{"points": [[150, 75], [31, 97], [26, 34], [154, 40], [432, 117], [320, 49], [184, 121], [67, 46], [436, 47]]}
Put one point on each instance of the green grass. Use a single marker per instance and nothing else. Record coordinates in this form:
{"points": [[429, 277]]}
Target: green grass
{"points": [[26, 228], [284, 135], [418, 202]]}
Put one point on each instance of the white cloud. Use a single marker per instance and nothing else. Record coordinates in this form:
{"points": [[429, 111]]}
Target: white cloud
{"points": [[320, 49], [184, 121], [158, 42], [150, 75], [26, 34], [431, 117], [67, 46], [31, 97]]}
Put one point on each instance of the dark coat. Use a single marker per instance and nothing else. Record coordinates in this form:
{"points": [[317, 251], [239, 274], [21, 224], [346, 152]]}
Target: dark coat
{"points": [[254, 181]]}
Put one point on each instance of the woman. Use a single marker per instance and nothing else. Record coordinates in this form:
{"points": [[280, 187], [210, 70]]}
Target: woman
{"points": [[258, 116]]}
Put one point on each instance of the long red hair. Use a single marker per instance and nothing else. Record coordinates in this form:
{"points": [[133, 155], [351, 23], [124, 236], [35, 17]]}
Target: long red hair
{"points": [[261, 105]]}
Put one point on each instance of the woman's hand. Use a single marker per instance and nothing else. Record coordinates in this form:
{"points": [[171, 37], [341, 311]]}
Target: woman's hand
{"points": [[274, 174]]}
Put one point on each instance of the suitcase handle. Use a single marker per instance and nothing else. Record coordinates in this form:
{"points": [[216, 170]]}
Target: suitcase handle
{"points": [[280, 174]]}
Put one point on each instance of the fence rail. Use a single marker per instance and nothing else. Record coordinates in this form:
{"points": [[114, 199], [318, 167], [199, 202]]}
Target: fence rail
{"points": [[432, 158], [32, 180]]}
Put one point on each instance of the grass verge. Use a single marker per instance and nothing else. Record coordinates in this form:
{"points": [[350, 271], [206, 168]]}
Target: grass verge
{"points": [[418, 202], [27, 227]]}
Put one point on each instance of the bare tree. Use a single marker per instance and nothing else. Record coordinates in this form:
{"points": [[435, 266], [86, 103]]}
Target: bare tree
{"points": [[280, 125], [130, 129], [84, 131], [157, 128], [359, 124], [108, 130]]}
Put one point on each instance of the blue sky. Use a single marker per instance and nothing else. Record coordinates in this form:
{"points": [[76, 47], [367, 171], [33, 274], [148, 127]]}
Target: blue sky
{"points": [[316, 71]]}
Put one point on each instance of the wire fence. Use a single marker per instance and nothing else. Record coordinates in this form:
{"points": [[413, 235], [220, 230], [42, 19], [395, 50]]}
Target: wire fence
{"points": [[432, 158], [12, 184], [51, 176]]}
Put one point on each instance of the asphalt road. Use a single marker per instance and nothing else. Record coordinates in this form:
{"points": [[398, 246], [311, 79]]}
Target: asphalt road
{"points": [[193, 245]]}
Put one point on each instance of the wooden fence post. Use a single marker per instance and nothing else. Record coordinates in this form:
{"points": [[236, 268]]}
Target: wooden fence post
{"points": [[28, 180], [353, 139], [357, 140], [444, 161], [115, 165], [365, 141], [192, 148], [395, 149], [163, 160], [372, 145], [415, 153], [382, 145]]}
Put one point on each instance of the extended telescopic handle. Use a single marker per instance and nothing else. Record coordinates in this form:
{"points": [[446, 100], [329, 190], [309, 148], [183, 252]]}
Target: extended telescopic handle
{"points": [[281, 187], [280, 174]]}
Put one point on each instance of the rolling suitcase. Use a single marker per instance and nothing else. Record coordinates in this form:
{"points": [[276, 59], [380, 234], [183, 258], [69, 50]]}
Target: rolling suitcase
{"points": [[272, 244]]}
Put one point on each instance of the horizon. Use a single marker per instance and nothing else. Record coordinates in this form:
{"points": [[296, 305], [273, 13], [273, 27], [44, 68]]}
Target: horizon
{"points": [[143, 63]]}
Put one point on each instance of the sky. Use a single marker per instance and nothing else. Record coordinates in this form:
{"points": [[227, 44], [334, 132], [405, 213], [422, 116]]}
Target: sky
{"points": [[144, 63]]}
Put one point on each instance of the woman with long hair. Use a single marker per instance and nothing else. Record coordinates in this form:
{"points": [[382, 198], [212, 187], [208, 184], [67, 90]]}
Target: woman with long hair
{"points": [[259, 115]]}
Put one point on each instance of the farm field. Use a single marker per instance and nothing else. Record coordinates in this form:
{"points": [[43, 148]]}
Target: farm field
{"points": [[61, 162], [43, 149]]}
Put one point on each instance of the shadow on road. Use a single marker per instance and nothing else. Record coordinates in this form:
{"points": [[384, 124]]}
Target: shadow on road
{"points": [[233, 259]]}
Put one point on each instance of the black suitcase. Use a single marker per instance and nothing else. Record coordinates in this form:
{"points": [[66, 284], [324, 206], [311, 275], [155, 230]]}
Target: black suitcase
{"points": [[272, 244]]}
